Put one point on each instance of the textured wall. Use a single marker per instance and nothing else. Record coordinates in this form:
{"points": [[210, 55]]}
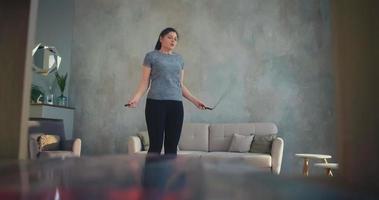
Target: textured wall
{"points": [[273, 57], [54, 28]]}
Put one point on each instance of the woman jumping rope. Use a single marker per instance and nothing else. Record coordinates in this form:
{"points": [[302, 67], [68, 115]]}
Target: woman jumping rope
{"points": [[163, 70]]}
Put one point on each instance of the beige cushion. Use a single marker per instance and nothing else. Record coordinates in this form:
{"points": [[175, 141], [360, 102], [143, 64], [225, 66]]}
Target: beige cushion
{"points": [[56, 154], [191, 154], [262, 144], [258, 160], [47, 142], [194, 137], [198, 153], [255, 159], [241, 143]]}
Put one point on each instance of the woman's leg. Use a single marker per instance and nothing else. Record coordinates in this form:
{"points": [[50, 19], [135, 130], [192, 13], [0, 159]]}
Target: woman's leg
{"points": [[155, 120], [174, 123]]}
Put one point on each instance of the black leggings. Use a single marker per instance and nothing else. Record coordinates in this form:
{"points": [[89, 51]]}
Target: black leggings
{"points": [[164, 118]]}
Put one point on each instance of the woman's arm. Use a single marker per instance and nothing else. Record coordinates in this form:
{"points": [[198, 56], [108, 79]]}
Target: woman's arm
{"points": [[187, 94], [142, 87]]}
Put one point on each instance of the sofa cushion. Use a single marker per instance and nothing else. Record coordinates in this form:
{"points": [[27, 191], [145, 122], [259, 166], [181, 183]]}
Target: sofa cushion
{"points": [[162, 151], [56, 154], [47, 142], [241, 143], [262, 144], [220, 135], [194, 137], [191, 154], [255, 159]]}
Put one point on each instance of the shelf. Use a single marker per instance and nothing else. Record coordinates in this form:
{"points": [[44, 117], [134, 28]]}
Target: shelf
{"points": [[57, 106]]}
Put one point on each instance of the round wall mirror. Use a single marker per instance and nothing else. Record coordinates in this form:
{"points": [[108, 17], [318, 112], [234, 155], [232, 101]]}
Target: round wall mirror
{"points": [[45, 59]]}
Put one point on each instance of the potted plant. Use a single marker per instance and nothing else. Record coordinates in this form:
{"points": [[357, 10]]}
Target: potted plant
{"points": [[36, 94], [61, 81]]}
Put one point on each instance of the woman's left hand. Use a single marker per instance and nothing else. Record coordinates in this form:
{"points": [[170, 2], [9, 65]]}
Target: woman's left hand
{"points": [[200, 105]]}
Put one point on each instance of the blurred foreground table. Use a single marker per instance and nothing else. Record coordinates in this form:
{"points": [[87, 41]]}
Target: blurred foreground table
{"points": [[140, 177]]}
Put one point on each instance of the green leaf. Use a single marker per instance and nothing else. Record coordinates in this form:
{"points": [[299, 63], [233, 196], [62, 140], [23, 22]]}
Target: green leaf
{"points": [[61, 81], [36, 92]]}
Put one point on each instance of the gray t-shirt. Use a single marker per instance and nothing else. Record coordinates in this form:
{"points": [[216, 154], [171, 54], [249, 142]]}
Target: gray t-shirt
{"points": [[165, 75]]}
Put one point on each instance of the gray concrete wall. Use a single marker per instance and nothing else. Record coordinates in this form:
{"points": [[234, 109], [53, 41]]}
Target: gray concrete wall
{"points": [[273, 57], [54, 28]]}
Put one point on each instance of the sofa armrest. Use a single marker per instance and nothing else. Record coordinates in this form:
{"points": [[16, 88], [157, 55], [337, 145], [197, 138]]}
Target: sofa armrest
{"points": [[134, 144], [33, 148], [74, 145], [277, 154]]}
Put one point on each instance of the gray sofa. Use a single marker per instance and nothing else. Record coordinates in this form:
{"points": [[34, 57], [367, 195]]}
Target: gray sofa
{"points": [[211, 141]]}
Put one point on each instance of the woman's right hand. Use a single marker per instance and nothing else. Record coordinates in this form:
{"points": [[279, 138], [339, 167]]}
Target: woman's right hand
{"points": [[133, 102]]}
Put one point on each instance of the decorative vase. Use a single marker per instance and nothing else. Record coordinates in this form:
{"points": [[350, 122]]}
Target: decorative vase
{"points": [[50, 99], [62, 100], [50, 96]]}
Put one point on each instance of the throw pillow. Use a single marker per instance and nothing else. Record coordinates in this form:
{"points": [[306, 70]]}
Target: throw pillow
{"points": [[241, 143], [48, 142], [262, 144]]}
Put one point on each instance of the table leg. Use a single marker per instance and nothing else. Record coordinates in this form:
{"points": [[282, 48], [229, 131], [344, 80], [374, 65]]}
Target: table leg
{"points": [[328, 172], [306, 167]]}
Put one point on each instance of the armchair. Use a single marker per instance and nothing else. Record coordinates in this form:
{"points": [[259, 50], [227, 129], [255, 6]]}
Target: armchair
{"points": [[55, 128]]}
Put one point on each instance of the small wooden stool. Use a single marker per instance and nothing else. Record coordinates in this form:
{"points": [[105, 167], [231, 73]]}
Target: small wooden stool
{"points": [[328, 167]]}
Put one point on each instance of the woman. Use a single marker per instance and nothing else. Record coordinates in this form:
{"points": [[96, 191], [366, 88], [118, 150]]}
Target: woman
{"points": [[163, 71]]}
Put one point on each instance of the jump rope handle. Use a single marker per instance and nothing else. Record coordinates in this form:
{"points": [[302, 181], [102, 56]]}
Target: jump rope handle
{"points": [[208, 108]]}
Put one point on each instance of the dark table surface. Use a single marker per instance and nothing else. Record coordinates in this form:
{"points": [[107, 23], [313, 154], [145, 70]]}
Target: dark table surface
{"points": [[158, 177]]}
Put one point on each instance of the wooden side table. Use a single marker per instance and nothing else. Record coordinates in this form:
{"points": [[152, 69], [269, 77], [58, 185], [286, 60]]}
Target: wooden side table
{"points": [[308, 156], [328, 167]]}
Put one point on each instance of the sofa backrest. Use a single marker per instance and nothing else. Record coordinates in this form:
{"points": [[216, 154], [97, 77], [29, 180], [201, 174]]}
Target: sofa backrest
{"points": [[195, 137], [220, 135], [46, 125]]}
